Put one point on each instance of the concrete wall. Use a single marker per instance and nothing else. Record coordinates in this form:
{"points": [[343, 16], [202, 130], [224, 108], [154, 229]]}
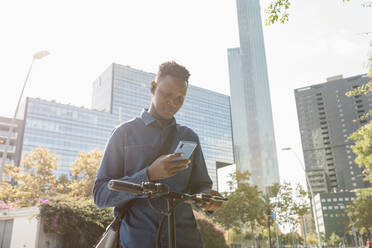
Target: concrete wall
{"points": [[28, 231]]}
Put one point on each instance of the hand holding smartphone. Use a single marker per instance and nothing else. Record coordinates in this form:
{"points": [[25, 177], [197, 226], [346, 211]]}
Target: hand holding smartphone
{"points": [[185, 147]]}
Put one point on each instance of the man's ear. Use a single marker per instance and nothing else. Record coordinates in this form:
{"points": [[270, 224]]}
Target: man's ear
{"points": [[153, 87]]}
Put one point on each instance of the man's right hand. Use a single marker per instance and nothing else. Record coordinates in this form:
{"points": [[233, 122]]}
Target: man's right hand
{"points": [[163, 167]]}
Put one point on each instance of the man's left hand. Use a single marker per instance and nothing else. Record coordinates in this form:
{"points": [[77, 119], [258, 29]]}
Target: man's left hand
{"points": [[212, 205]]}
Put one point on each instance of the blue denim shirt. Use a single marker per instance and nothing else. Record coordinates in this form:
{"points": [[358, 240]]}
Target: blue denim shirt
{"points": [[132, 147]]}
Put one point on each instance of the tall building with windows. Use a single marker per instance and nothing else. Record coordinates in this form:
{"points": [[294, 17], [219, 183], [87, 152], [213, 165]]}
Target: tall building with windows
{"points": [[331, 215], [15, 143], [252, 122], [119, 94], [326, 118], [65, 130]]}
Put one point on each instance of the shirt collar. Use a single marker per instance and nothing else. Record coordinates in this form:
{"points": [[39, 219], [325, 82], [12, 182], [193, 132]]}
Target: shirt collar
{"points": [[148, 119]]}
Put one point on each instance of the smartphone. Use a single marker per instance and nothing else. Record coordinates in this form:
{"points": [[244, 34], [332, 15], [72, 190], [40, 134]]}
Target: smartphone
{"points": [[185, 147]]}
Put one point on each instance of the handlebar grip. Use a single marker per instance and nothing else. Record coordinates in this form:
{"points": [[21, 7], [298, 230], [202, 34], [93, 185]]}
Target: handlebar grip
{"points": [[123, 186]]}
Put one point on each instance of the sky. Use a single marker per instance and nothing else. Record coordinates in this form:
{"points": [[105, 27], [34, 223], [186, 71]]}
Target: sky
{"points": [[321, 39]]}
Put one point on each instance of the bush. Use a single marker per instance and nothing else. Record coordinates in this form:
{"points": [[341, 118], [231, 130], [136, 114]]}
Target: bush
{"points": [[79, 222], [212, 234]]}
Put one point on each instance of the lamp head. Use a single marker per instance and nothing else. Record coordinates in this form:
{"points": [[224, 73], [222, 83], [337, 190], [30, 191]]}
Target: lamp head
{"points": [[41, 54]]}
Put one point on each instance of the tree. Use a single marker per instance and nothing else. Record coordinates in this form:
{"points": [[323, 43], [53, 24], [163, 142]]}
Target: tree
{"points": [[243, 208], [243, 205], [363, 137], [312, 239], [363, 151], [84, 171], [334, 240], [277, 11], [34, 180], [360, 211]]}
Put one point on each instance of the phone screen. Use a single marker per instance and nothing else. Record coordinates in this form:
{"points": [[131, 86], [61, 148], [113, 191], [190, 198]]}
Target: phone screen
{"points": [[185, 147]]}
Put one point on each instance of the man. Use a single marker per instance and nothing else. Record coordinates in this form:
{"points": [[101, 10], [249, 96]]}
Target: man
{"points": [[130, 155]]}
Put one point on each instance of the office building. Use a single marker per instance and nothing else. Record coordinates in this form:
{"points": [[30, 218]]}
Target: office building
{"points": [[326, 119], [331, 213], [252, 122], [15, 143], [119, 94], [64, 129]]}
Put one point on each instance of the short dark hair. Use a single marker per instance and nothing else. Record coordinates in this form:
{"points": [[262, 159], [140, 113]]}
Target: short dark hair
{"points": [[175, 70]]}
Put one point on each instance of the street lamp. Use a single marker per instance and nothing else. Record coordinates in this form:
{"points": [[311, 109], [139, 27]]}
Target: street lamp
{"points": [[38, 55], [311, 192]]}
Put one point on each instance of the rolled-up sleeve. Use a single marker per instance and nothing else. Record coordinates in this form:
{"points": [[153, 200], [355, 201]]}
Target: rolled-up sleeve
{"points": [[199, 180], [112, 167]]}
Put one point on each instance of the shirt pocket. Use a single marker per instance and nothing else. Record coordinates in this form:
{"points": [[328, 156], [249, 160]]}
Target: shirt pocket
{"points": [[137, 157]]}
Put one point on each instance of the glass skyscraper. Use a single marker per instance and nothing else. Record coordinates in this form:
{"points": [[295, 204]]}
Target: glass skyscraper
{"points": [[119, 94], [252, 122], [65, 130]]}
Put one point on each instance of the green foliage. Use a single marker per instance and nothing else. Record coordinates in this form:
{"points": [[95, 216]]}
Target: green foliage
{"points": [[84, 171], [213, 236], [243, 205], [363, 137], [360, 211], [247, 207], [312, 239], [290, 203], [35, 179], [290, 239], [365, 88], [277, 11], [363, 151], [334, 240], [78, 221]]}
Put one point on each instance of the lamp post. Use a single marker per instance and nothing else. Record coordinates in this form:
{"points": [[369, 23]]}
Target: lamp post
{"points": [[311, 192], [38, 55]]}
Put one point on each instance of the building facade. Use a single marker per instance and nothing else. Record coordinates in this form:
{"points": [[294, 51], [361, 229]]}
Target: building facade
{"points": [[16, 137], [65, 130], [119, 94], [253, 131], [326, 119], [331, 213]]}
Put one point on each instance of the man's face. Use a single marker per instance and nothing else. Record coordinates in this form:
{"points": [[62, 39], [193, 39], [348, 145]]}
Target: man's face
{"points": [[168, 96]]}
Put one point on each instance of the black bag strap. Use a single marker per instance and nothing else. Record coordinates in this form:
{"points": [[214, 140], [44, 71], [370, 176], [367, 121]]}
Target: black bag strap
{"points": [[163, 150]]}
